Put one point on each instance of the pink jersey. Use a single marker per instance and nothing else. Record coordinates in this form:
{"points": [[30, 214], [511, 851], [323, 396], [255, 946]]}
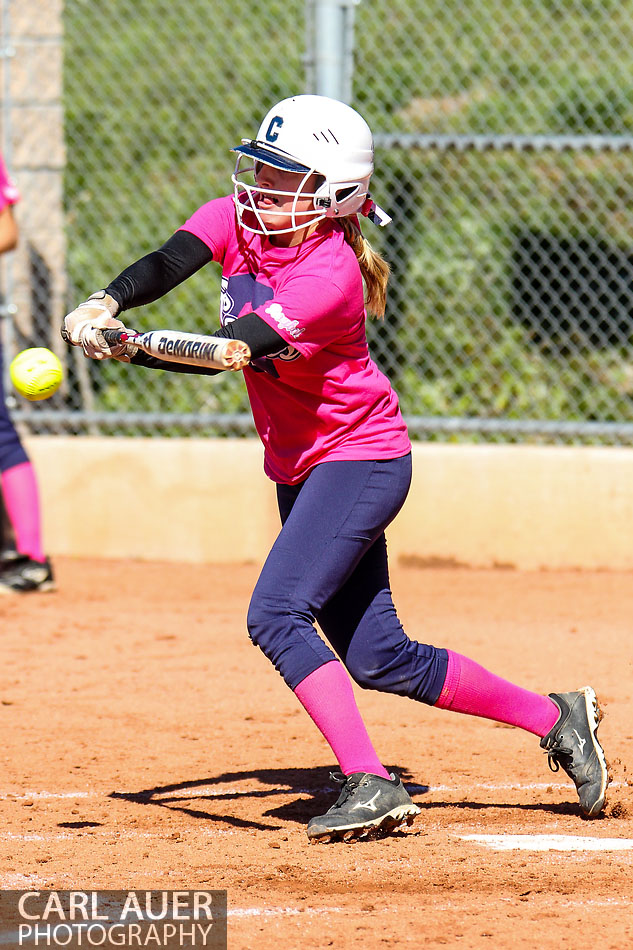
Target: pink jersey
{"points": [[320, 398], [9, 194]]}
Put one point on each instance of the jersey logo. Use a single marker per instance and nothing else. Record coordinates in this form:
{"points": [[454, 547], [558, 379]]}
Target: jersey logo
{"points": [[239, 292], [287, 354], [242, 292], [227, 303], [275, 123], [292, 327]]}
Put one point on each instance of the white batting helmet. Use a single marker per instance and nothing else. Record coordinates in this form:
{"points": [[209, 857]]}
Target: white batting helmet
{"points": [[307, 135]]}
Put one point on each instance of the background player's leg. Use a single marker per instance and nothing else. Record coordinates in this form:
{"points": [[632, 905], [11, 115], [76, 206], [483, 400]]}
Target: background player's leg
{"points": [[7, 536], [21, 497], [30, 569], [19, 487]]}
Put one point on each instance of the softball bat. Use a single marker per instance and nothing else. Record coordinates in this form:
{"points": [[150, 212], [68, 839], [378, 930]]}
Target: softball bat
{"points": [[194, 349]]}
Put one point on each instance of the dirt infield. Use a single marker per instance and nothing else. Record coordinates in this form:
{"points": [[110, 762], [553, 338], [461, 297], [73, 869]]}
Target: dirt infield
{"points": [[147, 743]]}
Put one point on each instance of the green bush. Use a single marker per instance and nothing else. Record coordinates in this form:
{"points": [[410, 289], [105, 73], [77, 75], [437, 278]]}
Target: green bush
{"points": [[156, 94]]}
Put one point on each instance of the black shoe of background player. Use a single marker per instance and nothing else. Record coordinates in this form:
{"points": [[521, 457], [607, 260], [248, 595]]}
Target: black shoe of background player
{"points": [[23, 575], [8, 556]]}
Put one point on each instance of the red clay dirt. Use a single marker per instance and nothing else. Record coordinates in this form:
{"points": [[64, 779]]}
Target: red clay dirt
{"points": [[148, 744]]}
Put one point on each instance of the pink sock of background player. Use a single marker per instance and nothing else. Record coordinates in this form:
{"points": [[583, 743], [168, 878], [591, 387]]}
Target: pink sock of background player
{"points": [[21, 499]]}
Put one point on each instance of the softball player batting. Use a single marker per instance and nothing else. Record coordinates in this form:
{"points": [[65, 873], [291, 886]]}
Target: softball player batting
{"points": [[297, 274]]}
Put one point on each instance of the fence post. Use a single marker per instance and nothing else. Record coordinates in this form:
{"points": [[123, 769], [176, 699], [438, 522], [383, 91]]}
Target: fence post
{"points": [[330, 47]]}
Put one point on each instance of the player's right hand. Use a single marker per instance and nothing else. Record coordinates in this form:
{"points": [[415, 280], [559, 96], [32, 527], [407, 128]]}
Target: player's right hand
{"points": [[81, 326]]}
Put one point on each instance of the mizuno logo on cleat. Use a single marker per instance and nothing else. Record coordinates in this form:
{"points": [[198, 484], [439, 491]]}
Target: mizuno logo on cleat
{"points": [[368, 804], [581, 742]]}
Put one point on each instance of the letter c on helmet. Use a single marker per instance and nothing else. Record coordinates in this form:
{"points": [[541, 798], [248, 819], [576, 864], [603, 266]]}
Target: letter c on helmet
{"points": [[275, 123]]}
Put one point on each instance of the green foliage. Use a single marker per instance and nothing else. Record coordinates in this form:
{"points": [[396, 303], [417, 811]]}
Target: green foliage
{"points": [[157, 93], [466, 353], [155, 96]]}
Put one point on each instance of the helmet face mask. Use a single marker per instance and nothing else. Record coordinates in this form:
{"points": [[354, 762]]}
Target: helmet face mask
{"points": [[307, 135], [284, 205]]}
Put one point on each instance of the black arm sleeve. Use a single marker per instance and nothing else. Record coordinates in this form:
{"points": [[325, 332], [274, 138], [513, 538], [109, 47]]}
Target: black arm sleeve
{"points": [[160, 271], [157, 273], [250, 328]]}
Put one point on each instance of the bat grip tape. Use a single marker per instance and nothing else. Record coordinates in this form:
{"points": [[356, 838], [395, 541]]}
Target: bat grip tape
{"points": [[114, 336]]}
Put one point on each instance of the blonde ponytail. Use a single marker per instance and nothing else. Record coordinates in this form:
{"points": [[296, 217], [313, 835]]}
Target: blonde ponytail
{"points": [[374, 268]]}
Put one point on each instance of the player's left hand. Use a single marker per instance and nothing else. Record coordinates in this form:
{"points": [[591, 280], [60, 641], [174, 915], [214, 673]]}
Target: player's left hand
{"points": [[82, 327]]}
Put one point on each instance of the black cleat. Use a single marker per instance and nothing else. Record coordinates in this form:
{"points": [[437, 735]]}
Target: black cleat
{"points": [[23, 575], [367, 803], [573, 744]]}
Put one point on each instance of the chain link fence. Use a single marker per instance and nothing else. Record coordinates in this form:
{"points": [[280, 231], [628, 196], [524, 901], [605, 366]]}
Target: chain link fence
{"points": [[504, 133]]}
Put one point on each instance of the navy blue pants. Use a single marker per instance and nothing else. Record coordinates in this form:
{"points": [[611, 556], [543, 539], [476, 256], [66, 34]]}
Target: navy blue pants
{"points": [[329, 564], [11, 450]]}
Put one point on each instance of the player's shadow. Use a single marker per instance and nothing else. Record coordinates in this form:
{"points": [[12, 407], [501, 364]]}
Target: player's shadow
{"points": [[560, 808], [312, 791], [288, 795]]}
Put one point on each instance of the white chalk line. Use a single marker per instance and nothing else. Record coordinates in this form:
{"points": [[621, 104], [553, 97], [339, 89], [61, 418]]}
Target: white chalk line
{"points": [[20, 882], [545, 842], [531, 842], [215, 792], [242, 913], [497, 842], [15, 938], [486, 786], [27, 796], [118, 833], [282, 911]]}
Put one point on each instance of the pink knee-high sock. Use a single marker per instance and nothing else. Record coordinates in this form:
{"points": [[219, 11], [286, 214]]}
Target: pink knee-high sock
{"points": [[328, 697], [469, 688], [21, 499]]}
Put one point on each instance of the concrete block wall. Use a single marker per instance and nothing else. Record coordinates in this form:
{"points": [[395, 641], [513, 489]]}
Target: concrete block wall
{"points": [[524, 507], [33, 145]]}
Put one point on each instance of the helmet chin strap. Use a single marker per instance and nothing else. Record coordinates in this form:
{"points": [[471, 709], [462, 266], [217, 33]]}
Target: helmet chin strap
{"points": [[375, 213]]}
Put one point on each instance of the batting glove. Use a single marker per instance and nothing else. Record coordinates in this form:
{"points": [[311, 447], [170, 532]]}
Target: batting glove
{"points": [[82, 327]]}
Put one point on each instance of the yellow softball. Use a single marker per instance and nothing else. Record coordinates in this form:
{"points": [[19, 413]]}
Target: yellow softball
{"points": [[36, 373]]}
